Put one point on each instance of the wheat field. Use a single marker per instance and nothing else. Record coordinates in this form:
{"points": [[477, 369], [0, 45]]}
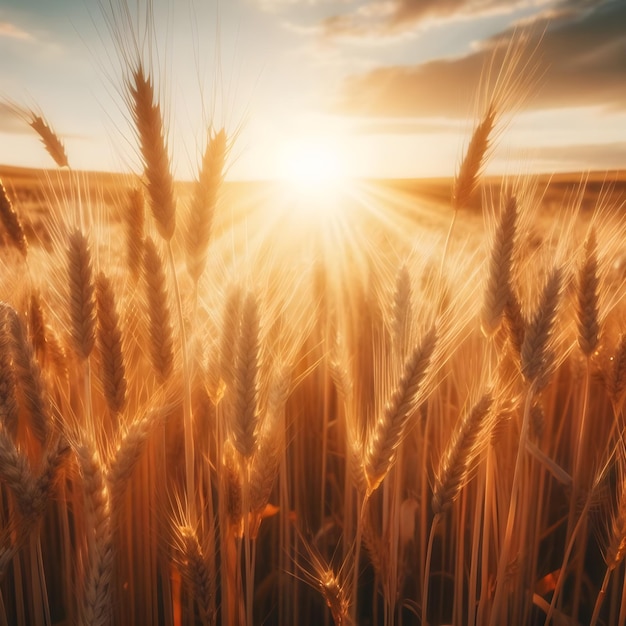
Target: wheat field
{"points": [[216, 412]]}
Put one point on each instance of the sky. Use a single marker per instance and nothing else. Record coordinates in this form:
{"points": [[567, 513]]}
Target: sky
{"points": [[377, 88]]}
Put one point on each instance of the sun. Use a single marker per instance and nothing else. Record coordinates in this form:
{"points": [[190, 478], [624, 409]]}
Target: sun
{"points": [[311, 163]]}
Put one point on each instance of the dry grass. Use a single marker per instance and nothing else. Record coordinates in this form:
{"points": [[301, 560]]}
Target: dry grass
{"points": [[185, 395]]}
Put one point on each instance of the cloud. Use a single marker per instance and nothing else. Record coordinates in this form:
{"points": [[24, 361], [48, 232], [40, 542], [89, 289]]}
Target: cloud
{"points": [[11, 31], [581, 55], [381, 18], [576, 157]]}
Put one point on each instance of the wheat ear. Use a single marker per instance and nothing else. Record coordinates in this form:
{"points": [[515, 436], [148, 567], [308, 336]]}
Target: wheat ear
{"points": [[128, 452], [161, 340], [464, 448], [587, 309], [134, 219], [266, 461], [616, 380], [153, 146], [110, 346], [9, 409], [191, 561], [498, 289], [15, 472], [230, 330], [96, 603], [30, 379], [37, 326], [245, 411], [389, 429], [402, 310], [514, 321], [537, 354], [203, 203], [81, 294], [466, 180], [51, 141], [12, 222]]}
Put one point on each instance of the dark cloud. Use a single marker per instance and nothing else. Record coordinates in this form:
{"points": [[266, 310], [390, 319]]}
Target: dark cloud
{"points": [[581, 56]]}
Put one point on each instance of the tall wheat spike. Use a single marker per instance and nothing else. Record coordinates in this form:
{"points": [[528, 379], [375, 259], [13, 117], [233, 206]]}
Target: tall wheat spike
{"points": [[537, 355], [498, 289], [245, 411], [134, 218], [110, 345], [51, 141], [82, 301], [587, 309], [9, 409], [161, 334], [456, 462], [153, 146], [203, 203], [466, 180], [30, 379], [96, 601], [11, 222], [387, 433]]}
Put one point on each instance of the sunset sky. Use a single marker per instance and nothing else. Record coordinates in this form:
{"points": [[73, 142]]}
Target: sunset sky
{"points": [[386, 88]]}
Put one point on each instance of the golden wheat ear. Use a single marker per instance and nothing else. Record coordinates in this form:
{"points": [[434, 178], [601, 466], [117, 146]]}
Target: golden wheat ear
{"points": [[161, 333], [203, 204], [469, 438], [82, 301], [134, 219], [110, 346], [388, 431], [499, 282], [153, 147], [11, 222], [51, 141], [96, 600], [192, 561]]}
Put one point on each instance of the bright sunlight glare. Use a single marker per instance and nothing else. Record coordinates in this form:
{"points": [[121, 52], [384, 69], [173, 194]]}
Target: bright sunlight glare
{"points": [[313, 176], [311, 162]]}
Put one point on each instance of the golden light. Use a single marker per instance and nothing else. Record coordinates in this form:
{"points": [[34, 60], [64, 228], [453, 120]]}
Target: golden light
{"points": [[313, 176], [311, 162]]}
